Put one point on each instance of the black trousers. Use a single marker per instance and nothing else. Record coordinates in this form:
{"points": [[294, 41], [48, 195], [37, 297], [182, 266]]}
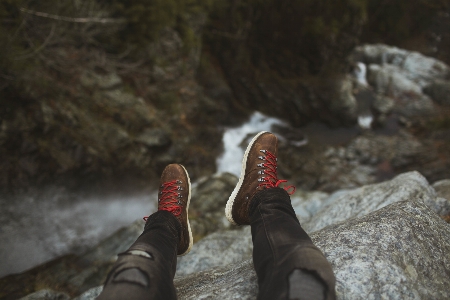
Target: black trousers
{"points": [[287, 263]]}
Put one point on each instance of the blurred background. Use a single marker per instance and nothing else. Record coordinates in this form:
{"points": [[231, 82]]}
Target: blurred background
{"points": [[97, 97]]}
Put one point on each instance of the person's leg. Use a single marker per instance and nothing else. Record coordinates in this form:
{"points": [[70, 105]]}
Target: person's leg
{"points": [[146, 270], [287, 263]]}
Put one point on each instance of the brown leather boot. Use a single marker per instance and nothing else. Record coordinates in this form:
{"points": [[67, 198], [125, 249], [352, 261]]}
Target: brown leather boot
{"points": [[259, 171], [174, 196]]}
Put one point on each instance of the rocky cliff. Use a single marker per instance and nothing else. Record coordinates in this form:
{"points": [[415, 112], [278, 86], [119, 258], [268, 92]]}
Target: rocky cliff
{"points": [[387, 240]]}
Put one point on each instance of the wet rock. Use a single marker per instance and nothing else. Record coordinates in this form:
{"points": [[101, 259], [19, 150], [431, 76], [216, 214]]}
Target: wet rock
{"points": [[439, 91], [409, 100], [154, 137], [401, 75], [388, 79], [413, 65]]}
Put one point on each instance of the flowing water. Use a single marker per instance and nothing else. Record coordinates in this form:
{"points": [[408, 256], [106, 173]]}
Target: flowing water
{"points": [[230, 161], [37, 228]]}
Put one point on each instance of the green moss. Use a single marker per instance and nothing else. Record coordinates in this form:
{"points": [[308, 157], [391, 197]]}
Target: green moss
{"points": [[168, 102], [145, 19]]}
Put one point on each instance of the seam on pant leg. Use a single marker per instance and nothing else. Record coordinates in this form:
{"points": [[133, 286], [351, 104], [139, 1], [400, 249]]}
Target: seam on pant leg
{"points": [[271, 246]]}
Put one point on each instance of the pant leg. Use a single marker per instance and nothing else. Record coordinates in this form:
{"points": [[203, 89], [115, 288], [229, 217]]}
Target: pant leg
{"points": [[287, 263], [146, 270]]}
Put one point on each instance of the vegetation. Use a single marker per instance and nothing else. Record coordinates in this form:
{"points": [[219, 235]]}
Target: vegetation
{"points": [[295, 37]]}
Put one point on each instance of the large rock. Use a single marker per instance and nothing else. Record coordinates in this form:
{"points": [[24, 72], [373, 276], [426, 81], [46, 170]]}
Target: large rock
{"points": [[395, 252], [439, 91], [218, 249], [361, 201], [322, 210], [413, 65], [401, 75], [442, 188], [206, 212]]}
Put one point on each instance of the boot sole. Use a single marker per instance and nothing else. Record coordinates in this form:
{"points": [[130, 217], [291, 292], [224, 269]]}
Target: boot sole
{"points": [[230, 202], [191, 240]]}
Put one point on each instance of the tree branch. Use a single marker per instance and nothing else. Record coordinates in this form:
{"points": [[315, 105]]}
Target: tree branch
{"points": [[69, 19]]}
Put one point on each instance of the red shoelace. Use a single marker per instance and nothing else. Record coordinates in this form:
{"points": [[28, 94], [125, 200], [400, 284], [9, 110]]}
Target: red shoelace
{"points": [[169, 198], [271, 180]]}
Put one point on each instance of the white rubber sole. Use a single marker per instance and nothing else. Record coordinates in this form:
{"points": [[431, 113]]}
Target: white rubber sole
{"points": [[191, 240], [230, 202]]}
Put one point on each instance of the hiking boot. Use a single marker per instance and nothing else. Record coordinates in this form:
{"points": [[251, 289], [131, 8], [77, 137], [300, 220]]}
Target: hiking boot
{"points": [[259, 172], [174, 196]]}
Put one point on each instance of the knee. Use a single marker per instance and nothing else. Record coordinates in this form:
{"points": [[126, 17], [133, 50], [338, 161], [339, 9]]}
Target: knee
{"points": [[304, 284]]}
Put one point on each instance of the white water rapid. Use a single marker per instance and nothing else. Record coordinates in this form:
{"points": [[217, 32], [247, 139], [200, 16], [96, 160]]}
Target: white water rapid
{"points": [[231, 159]]}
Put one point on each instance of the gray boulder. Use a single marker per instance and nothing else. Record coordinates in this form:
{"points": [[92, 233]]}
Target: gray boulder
{"points": [[439, 91], [396, 252], [442, 188], [415, 66], [364, 200], [383, 241], [401, 75], [338, 207], [218, 249]]}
